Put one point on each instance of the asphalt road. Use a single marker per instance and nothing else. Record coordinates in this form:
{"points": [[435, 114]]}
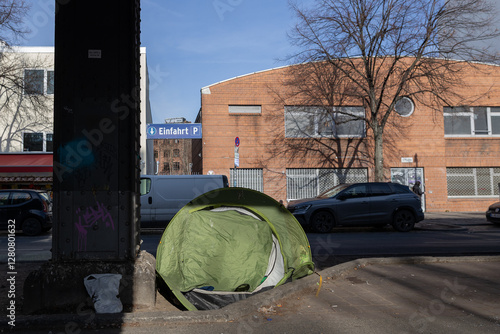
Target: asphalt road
{"points": [[435, 294], [341, 246], [439, 235]]}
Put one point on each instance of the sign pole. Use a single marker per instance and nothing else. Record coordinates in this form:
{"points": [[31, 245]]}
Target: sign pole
{"points": [[236, 159]]}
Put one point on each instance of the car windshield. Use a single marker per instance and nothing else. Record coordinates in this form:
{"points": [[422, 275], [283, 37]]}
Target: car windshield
{"points": [[333, 191]]}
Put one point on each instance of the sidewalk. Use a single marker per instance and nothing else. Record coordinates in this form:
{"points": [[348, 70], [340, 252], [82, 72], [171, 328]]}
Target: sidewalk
{"points": [[373, 295], [394, 295], [452, 221]]}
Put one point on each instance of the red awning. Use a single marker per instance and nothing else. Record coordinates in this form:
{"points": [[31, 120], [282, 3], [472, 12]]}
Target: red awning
{"points": [[25, 163]]}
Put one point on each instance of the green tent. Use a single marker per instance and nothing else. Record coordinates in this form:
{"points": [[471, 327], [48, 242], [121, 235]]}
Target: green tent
{"points": [[228, 244]]}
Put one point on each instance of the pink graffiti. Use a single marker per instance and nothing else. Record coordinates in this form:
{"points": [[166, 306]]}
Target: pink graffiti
{"points": [[88, 218]]}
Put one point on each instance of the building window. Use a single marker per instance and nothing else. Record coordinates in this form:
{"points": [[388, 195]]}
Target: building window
{"points": [[251, 178], [166, 167], [404, 106], [177, 152], [33, 142], [473, 182], [176, 166], [50, 82], [166, 154], [37, 142], [473, 121], [310, 182], [233, 109], [156, 154], [38, 82], [341, 122], [49, 142]]}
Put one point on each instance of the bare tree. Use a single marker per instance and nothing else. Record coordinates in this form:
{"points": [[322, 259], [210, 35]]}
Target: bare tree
{"points": [[22, 109], [372, 53], [309, 92], [12, 14]]}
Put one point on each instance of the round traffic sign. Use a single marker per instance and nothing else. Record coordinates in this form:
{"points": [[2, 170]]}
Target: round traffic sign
{"points": [[237, 141]]}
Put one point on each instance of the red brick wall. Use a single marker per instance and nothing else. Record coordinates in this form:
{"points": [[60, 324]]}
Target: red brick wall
{"points": [[420, 135], [184, 159]]}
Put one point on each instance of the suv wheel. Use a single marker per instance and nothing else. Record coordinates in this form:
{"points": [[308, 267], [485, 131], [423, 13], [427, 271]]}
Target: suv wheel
{"points": [[403, 221], [322, 222], [31, 226]]}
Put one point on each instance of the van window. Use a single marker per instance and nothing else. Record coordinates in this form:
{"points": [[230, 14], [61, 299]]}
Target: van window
{"points": [[145, 186], [225, 181], [4, 198]]}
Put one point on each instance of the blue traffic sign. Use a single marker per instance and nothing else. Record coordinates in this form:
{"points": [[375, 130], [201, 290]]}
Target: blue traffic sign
{"points": [[237, 141], [174, 131]]}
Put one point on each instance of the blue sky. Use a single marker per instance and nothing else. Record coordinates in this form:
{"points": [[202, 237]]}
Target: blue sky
{"points": [[194, 43]]}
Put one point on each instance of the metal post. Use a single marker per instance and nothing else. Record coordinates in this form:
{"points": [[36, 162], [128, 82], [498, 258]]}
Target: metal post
{"points": [[96, 130]]}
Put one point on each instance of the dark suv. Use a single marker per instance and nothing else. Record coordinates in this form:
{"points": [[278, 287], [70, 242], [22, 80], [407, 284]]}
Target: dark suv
{"points": [[360, 204], [31, 210]]}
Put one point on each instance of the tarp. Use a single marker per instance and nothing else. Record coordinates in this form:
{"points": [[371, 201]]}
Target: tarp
{"points": [[228, 244]]}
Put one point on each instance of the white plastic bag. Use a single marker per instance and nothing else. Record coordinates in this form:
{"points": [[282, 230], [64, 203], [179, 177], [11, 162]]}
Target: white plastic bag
{"points": [[104, 290]]}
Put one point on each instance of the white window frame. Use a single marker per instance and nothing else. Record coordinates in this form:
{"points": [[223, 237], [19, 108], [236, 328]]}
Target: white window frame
{"points": [[489, 115], [299, 112], [45, 79]]}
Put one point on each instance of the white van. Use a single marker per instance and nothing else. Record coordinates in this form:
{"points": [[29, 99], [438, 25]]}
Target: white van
{"points": [[163, 195]]}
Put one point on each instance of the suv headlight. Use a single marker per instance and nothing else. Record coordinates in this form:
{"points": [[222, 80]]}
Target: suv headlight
{"points": [[301, 208]]}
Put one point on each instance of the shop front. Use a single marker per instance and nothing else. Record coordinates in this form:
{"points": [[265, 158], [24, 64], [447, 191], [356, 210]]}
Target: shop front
{"points": [[26, 171]]}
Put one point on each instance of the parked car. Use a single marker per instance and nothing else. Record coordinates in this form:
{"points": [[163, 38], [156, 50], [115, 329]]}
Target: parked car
{"points": [[493, 213], [360, 204], [30, 210]]}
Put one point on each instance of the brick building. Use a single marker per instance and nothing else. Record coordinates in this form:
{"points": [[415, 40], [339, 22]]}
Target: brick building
{"points": [[173, 156], [455, 152]]}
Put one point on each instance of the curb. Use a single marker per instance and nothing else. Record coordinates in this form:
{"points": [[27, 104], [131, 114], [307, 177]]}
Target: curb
{"points": [[440, 227], [231, 312]]}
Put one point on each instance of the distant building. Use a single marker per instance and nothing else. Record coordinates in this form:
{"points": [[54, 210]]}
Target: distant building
{"points": [[454, 153], [173, 156]]}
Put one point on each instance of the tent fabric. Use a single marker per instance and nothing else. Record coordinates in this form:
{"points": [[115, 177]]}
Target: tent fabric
{"points": [[213, 300], [203, 299], [213, 255], [275, 267], [222, 243]]}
